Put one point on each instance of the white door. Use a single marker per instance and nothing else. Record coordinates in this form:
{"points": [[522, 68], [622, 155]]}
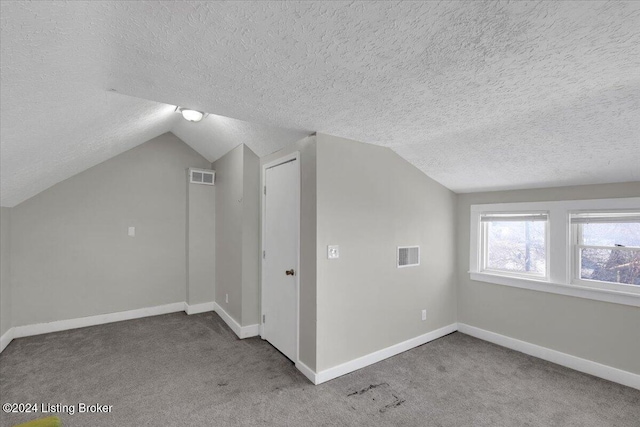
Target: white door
{"points": [[280, 261]]}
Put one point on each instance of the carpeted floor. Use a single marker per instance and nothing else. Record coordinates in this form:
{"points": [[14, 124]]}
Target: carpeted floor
{"points": [[179, 370]]}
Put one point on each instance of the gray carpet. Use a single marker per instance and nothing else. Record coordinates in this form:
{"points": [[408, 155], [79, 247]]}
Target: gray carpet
{"points": [[179, 370]]}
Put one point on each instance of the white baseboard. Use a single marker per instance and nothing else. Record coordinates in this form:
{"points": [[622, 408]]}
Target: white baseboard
{"points": [[199, 308], [5, 339], [81, 322], [250, 331], [583, 365], [377, 356], [241, 331], [307, 372]]}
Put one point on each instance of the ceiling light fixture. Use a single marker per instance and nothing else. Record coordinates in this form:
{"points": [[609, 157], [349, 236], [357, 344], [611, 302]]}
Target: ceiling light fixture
{"points": [[191, 115]]}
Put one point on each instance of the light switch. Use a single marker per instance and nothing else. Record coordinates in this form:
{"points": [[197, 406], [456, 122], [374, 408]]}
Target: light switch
{"points": [[132, 232], [333, 251]]}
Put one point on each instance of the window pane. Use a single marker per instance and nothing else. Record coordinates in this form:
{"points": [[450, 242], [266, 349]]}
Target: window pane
{"points": [[516, 246], [611, 234], [610, 265]]}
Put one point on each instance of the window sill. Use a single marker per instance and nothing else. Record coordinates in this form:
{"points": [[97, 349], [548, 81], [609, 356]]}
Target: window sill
{"points": [[605, 295]]}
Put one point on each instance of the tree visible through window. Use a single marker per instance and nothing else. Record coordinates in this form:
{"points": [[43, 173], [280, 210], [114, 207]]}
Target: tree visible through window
{"points": [[515, 243], [608, 247], [583, 248]]}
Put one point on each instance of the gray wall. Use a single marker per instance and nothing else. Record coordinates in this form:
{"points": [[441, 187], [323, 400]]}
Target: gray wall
{"points": [[602, 332], [369, 202], [71, 256], [200, 243], [237, 234], [5, 270], [308, 237], [229, 191], [250, 238]]}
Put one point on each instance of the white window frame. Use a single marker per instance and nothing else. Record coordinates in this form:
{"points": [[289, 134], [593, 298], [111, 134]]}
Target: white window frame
{"points": [[484, 246], [576, 260], [560, 250]]}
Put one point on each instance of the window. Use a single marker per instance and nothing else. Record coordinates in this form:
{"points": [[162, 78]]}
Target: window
{"points": [[580, 248], [515, 243], [606, 248]]}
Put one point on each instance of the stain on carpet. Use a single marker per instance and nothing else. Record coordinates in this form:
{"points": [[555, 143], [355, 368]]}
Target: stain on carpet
{"points": [[397, 402], [369, 398], [366, 389]]}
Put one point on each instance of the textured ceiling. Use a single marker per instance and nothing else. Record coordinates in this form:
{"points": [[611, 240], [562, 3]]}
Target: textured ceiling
{"points": [[215, 135], [478, 95]]}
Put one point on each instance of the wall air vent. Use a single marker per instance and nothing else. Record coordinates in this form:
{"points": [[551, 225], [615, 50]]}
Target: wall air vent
{"points": [[202, 176], [408, 256]]}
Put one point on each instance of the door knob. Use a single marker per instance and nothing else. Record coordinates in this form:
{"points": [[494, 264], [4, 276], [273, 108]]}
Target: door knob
{"points": [[290, 272]]}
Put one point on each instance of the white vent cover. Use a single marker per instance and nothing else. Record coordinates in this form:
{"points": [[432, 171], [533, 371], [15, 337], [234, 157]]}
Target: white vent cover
{"points": [[202, 176], [408, 256]]}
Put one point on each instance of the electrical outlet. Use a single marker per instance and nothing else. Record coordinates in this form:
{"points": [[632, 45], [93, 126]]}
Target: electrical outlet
{"points": [[424, 314], [131, 232], [226, 299], [333, 252]]}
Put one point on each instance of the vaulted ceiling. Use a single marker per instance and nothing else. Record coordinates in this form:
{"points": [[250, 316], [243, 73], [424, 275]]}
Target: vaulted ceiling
{"points": [[478, 95]]}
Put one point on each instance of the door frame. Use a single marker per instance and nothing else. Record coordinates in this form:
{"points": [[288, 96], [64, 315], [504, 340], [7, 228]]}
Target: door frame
{"points": [[294, 156]]}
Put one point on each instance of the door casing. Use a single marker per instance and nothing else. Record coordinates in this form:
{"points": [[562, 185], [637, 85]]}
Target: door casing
{"points": [[263, 179]]}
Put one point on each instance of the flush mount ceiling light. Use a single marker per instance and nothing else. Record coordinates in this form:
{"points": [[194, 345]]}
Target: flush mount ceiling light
{"points": [[191, 115]]}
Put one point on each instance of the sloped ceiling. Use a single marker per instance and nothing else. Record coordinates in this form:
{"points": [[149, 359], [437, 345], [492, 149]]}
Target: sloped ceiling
{"points": [[478, 95], [215, 135]]}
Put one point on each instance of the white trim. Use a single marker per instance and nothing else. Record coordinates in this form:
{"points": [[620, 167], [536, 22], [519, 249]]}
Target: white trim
{"points": [[230, 321], [241, 331], [377, 356], [307, 372], [199, 308], [605, 295], [82, 322], [575, 268], [573, 362], [583, 365], [250, 331], [484, 249], [294, 156], [559, 249], [5, 339]]}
